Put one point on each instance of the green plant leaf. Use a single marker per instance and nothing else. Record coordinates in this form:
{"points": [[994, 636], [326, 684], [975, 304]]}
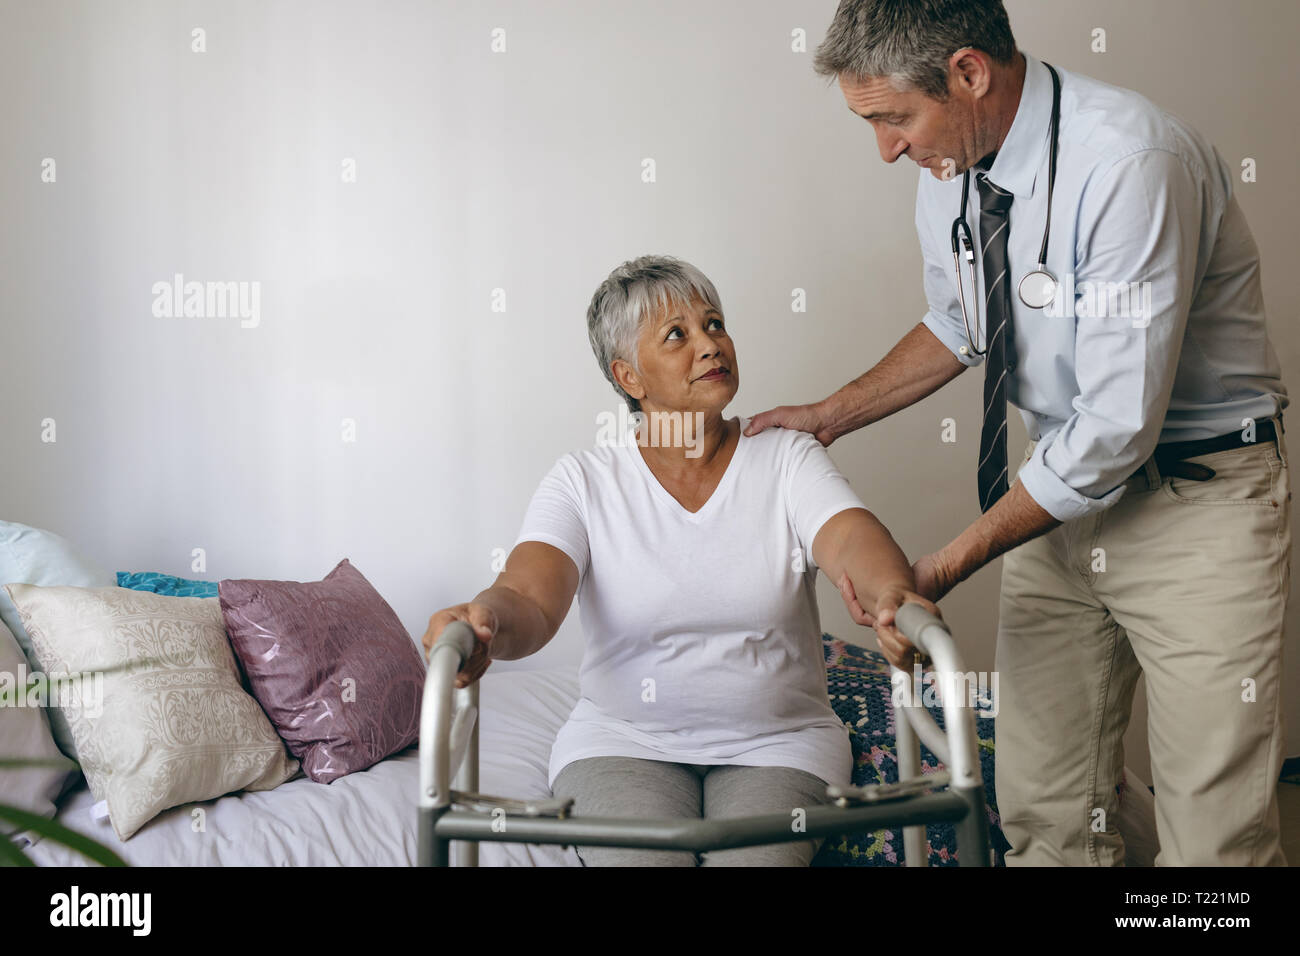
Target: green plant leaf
{"points": [[10, 855], [15, 763], [53, 830]]}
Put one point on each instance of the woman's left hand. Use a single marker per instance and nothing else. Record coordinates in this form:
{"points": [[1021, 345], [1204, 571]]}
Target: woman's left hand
{"points": [[898, 649]]}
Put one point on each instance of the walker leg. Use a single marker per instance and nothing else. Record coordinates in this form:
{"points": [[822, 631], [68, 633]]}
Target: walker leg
{"points": [[908, 747], [972, 830], [467, 777], [433, 851]]}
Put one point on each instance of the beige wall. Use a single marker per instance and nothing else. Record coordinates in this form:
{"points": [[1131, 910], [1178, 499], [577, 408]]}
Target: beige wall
{"points": [[476, 171]]}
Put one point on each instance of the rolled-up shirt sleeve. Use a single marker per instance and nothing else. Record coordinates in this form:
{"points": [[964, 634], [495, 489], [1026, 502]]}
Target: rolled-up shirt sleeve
{"points": [[1139, 224], [944, 315]]}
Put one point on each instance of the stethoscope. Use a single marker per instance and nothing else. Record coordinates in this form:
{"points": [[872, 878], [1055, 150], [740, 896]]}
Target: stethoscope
{"points": [[1038, 287]]}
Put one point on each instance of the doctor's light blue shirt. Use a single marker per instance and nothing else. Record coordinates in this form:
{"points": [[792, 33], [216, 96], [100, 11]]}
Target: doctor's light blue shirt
{"points": [[1140, 199]]}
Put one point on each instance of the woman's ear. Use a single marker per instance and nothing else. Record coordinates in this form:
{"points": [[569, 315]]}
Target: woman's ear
{"points": [[627, 379]]}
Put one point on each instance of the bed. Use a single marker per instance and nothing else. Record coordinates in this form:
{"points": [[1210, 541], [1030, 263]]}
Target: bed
{"points": [[373, 816], [369, 818]]}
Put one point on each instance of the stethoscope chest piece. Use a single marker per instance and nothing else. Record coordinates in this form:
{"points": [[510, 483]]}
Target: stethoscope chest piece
{"points": [[1038, 289]]}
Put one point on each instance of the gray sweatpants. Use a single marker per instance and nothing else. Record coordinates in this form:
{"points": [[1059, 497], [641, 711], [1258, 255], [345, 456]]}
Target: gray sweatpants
{"points": [[657, 789]]}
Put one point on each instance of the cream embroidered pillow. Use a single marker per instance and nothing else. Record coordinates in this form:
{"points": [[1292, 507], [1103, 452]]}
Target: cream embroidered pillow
{"points": [[154, 701]]}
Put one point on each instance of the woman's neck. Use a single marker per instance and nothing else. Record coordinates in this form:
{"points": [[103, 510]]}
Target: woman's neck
{"points": [[681, 441]]}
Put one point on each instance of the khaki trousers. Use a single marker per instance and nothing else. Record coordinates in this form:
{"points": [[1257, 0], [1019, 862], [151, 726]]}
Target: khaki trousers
{"points": [[1186, 582]]}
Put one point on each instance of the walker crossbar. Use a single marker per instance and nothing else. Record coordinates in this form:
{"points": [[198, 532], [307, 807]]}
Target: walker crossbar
{"points": [[445, 743]]}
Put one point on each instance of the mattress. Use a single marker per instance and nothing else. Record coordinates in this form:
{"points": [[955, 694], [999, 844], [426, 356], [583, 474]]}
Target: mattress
{"points": [[364, 819]]}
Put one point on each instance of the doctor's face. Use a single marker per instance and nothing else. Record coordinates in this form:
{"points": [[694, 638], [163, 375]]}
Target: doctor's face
{"points": [[918, 127]]}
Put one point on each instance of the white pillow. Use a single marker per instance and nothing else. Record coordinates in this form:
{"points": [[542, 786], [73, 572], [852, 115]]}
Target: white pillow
{"points": [[25, 735], [157, 714], [33, 556]]}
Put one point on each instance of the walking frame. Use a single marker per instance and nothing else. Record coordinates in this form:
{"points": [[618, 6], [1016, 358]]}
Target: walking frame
{"points": [[449, 743]]}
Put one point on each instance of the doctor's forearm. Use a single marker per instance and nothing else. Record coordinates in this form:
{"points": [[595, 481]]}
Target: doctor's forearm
{"points": [[1015, 519], [917, 366]]}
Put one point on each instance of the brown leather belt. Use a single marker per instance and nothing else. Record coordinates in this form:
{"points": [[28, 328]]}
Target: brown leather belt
{"points": [[1170, 455]]}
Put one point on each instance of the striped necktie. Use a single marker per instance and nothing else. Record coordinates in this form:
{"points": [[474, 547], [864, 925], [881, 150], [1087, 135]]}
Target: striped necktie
{"points": [[992, 472]]}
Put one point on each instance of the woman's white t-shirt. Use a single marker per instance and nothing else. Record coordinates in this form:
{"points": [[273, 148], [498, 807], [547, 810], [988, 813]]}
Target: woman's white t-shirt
{"points": [[703, 638]]}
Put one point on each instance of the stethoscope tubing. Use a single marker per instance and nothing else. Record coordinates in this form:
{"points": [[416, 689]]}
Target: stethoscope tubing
{"points": [[961, 234]]}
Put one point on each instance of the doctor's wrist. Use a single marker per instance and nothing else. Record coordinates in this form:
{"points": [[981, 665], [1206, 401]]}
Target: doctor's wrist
{"points": [[837, 415]]}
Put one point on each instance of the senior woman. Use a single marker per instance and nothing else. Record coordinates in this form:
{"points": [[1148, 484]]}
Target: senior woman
{"points": [[702, 690]]}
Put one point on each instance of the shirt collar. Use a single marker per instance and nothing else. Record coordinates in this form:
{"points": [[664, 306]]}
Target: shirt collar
{"points": [[1025, 150]]}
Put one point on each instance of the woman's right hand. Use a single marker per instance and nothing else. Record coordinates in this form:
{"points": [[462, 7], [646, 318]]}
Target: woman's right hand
{"points": [[483, 620]]}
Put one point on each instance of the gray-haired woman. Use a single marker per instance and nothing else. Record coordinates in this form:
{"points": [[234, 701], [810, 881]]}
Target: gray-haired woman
{"points": [[703, 683]]}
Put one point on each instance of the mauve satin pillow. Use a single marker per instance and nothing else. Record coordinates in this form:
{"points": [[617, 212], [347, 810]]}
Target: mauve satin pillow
{"points": [[331, 665]]}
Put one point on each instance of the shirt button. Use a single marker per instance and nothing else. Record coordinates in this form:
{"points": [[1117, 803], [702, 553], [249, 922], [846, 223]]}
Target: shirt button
{"points": [[1011, 366]]}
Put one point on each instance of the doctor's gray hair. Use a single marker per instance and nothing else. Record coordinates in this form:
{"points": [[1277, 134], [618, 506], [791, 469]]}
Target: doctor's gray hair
{"points": [[639, 290], [910, 41]]}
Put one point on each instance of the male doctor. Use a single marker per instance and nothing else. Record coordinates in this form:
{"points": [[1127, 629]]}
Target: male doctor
{"points": [[1147, 527]]}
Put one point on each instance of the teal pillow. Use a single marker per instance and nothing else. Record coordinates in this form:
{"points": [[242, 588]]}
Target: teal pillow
{"points": [[32, 556], [168, 584]]}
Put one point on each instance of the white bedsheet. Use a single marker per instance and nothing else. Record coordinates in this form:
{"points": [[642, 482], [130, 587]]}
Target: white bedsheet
{"points": [[363, 819]]}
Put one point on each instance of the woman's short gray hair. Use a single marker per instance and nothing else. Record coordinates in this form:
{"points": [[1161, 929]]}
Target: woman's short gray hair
{"points": [[636, 291], [910, 41]]}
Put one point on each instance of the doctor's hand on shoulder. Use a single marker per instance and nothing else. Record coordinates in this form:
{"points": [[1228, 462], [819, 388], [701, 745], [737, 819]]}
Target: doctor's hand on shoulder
{"points": [[803, 418], [483, 620]]}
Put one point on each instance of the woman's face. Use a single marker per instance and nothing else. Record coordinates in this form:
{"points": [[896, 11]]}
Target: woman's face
{"points": [[677, 350]]}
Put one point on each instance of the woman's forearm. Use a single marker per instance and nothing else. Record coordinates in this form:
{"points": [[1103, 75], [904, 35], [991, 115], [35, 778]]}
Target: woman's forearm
{"points": [[522, 628], [863, 548], [877, 563]]}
